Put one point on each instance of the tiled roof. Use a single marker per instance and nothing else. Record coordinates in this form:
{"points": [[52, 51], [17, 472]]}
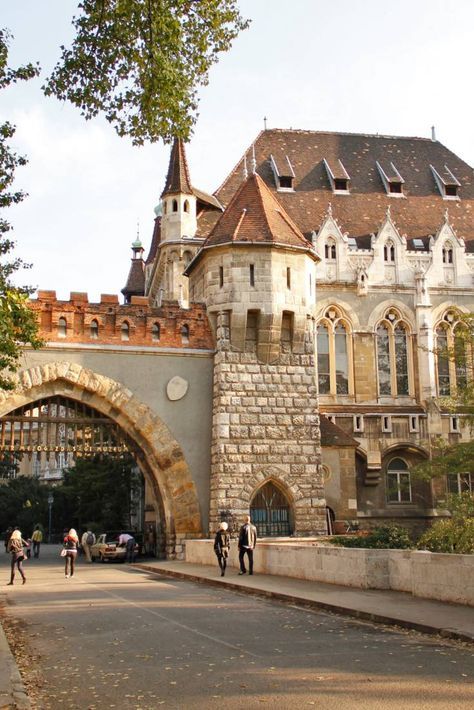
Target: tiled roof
{"points": [[333, 435], [419, 213], [135, 285], [255, 215], [177, 180], [155, 241]]}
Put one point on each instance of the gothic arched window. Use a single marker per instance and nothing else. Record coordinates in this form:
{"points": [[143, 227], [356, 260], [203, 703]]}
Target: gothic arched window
{"points": [[185, 334], [186, 206], [94, 330], [333, 347], [125, 331], [448, 253], [270, 511], [454, 354], [175, 205], [398, 482], [393, 356], [389, 252], [62, 327], [155, 331], [330, 252]]}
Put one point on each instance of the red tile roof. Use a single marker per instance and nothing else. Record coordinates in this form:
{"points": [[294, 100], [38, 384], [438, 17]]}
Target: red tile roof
{"points": [[255, 215], [419, 213]]}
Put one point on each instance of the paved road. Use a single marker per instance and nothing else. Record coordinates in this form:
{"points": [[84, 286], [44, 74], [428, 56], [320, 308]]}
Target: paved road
{"points": [[116, 637]]}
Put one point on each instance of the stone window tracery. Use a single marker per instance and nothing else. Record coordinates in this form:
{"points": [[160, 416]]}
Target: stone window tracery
{"points": [[398, 482], [330, 252], [393, 355], [334, 353], [448, 254], [454, 356], [389, 252]]}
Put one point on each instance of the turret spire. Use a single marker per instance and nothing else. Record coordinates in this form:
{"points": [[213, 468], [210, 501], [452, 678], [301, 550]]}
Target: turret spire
{"points": [[177, 180]]}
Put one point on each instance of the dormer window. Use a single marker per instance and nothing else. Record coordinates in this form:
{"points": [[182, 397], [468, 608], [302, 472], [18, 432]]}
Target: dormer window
{"points": [[338, 176], [448, 254], [283, 173], [389, 252], [330, 253], [391, 178], [447, 183]]}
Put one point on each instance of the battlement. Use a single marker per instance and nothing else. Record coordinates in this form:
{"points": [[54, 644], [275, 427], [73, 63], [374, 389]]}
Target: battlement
{"points": [[111, 323]]}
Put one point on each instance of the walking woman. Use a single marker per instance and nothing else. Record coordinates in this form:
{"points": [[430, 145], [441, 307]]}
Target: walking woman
{"points": [[15, 548], [71, 543], [222, 546]]}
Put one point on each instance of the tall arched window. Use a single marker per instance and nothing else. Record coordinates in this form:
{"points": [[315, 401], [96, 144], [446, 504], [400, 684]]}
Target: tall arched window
{"points": [[389, 252], [330, 252], [333, 346], [155, 331], [175, 205], [393, 355], [454, 354], [185, 334], [448, 253], [125, 331], [62, 327], [94, 330], [270, 512], [186, 206], [398, 482]]}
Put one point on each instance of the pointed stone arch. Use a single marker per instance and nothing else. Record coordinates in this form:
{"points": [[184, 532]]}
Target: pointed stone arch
{"points": [[160, 455]]}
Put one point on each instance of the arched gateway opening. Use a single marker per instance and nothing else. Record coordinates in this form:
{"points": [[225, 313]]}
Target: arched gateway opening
{"points": [[65, 406], [270, 512]]}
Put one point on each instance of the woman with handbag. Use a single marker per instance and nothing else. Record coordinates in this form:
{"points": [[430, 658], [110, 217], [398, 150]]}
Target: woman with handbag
{"points": [[15, 548], [69, 552], [222, 546]]}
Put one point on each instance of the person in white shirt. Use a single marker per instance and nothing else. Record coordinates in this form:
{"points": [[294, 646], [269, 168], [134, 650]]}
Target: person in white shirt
{"points": [[87, 540], [129, 542]]}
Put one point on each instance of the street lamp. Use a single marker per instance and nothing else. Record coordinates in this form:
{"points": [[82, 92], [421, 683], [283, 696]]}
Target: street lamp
{"points": [[50, 505]]}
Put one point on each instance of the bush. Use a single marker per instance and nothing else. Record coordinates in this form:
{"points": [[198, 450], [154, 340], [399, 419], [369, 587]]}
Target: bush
{"points": [[455, 535], [393, 537]]}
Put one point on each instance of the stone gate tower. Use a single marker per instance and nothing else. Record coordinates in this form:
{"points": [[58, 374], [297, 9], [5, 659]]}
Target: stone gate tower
{"points": [[256, 274]]}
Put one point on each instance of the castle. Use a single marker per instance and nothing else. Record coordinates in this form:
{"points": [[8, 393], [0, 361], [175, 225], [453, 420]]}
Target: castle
{"points": [[280, 348]]}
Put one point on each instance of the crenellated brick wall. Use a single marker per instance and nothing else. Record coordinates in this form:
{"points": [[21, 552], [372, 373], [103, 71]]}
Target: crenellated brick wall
{"points": [[178, 327]]}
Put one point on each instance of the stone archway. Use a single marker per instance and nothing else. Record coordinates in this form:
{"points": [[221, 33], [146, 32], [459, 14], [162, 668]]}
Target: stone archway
{"points": [[160, 455]]}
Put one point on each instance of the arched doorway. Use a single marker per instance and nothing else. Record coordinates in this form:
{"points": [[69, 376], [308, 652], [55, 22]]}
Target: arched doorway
{"points": [[271, 512], [157, 452]]}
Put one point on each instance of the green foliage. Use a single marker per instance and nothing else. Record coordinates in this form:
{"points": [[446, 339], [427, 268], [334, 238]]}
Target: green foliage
{"points": [[382, 537], [457, 533], [446, 458], [99, 490], [140, 62], [23, 502], [18, 324]]}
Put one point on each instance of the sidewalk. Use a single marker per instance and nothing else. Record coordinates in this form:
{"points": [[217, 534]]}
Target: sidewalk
{"points": [[400, 609]]}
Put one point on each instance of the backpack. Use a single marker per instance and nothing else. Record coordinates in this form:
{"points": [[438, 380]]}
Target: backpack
{"points": [[90, 538]]}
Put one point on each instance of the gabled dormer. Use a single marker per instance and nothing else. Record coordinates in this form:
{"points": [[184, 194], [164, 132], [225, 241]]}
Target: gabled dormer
{"points": [[338, 177], [391, 178], [283, 173], [447, 183]]}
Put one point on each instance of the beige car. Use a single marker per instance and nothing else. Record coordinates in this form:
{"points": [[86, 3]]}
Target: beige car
{"points": [[106, 547]]}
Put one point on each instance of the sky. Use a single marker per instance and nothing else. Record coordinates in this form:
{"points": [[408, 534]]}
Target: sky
{"points": [[370, 66]]}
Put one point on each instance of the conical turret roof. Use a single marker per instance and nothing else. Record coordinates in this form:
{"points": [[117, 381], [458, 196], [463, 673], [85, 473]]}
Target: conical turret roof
{"points": [[177, 180], [255, 215]]}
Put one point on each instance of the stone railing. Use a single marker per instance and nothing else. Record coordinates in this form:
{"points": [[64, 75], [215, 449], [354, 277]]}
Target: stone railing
{"points": [[430, 575]]}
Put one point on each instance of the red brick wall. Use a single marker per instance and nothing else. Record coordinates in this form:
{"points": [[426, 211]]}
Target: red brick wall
{"points": [[110, 316]]}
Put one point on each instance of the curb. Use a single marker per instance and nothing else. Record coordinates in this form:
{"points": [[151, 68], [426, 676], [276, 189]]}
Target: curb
{"points": [[13, 695], [446, 633]]}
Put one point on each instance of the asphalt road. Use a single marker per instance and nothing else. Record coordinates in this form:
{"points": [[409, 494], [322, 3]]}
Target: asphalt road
{"points": [[116, 637]]}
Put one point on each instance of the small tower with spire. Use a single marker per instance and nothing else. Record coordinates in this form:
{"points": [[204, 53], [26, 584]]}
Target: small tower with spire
{"points": [[135, 285], [178, 199]]}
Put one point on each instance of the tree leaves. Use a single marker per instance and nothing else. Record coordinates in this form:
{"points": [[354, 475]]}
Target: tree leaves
{"points": [[140, 62], [18, 324]]}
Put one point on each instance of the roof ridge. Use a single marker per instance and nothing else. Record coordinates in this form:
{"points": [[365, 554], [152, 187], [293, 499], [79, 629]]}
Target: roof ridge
{"points": [[346, 133]]}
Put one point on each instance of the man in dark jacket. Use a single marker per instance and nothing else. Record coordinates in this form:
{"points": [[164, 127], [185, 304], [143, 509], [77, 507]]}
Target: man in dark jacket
{"points": [[247, 542]]}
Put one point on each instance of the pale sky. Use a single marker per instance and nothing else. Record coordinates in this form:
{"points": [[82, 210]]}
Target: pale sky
{"points": [[370, 66]]}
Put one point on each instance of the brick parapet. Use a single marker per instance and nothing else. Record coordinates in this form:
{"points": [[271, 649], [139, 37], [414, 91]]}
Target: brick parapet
{"points": [[110, 316]]}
